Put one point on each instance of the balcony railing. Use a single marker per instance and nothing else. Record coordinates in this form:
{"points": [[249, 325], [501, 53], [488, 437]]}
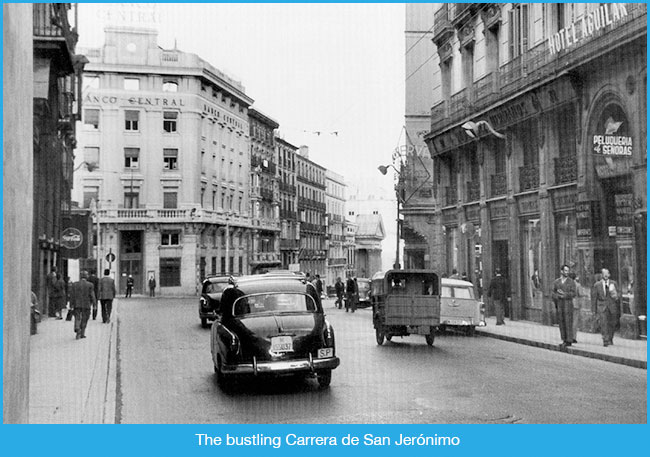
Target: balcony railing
{"points": [[337, 261], [442, 23], [289, 244], [528, 178], [566, 169], [289, 188], [265, 257], [498, 184], [51, 22], [439, 115], [286, 214], [459, 103], [473, 191]]}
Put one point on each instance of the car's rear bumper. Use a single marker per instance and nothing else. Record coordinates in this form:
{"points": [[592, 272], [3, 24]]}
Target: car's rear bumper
{"points": [[462, 322], [281, 367]]}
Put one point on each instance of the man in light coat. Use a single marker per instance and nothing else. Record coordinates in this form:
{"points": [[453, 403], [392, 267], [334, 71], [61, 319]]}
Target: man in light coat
{"points": [[82, 298], [107, 293], [605, 298]]}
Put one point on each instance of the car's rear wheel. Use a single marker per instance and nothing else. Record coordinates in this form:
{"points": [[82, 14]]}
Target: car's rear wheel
{"points": [[380, 336], [222, 381], [324, 378], [204, 322]]}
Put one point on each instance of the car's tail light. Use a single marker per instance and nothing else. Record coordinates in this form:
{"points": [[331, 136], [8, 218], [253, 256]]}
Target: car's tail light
{"points": [[234, 344], [202, 301], [328, 335]]}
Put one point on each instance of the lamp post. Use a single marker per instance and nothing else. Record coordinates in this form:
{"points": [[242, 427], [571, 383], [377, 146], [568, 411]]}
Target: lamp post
{"points": [[227, 243], [471, 128], [383, 169]]}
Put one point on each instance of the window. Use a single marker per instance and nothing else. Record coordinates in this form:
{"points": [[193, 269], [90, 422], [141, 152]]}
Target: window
{"points": [[90, 82], [170, 272], [90, 194], [131, 200], [131, 120], [131, 157], [170, 200], [91, 119], [131, 84], [169, 121], [91, 155], [518, 31], [170, 238], [170, 86], [170, 159]]}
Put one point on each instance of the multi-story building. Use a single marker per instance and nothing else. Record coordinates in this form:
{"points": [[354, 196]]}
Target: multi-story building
{"points": [[165, 142], [335, 207], [310, 186], [367, 238], [290, 227], [538, 137], [264, 197]]}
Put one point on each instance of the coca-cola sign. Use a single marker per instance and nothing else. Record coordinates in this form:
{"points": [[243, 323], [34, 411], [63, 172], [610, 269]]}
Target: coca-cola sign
{"points": [[71, 238]]}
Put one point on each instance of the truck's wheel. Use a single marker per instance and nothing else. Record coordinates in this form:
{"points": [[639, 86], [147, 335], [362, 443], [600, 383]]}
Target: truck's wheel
{"points": [[204, 322], [430, 337], [380, 336]]}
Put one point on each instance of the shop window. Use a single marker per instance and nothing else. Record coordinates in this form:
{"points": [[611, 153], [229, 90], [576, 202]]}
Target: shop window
{"points": [[131, 157], [170, 119], [170, 159], [518, 30], [170, 200], [532, 281], [91, 119], [170, 238], [131, 120], [170, 272]]}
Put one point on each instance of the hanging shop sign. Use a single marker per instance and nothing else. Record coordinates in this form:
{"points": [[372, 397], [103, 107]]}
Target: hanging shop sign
{"points": [[607, 15], [74, 245], [612, 145]]}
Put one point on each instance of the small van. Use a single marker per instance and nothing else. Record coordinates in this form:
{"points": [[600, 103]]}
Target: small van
{"points": [[459, 308]]}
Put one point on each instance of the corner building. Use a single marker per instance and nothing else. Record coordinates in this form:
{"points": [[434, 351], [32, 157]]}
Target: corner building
{"points": [[538, 140], [165, 137]]}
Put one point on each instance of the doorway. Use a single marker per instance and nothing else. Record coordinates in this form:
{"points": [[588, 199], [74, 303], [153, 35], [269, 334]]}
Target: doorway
{"points": [[131, 260]]}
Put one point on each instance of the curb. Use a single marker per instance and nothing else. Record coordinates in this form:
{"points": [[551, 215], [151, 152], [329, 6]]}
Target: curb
{"points": [[110, 393], [570, 350]]}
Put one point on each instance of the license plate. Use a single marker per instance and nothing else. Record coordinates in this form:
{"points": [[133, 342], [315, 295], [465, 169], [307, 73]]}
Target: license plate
{"points": [[455, 322], [281, 344], [326, 352]]}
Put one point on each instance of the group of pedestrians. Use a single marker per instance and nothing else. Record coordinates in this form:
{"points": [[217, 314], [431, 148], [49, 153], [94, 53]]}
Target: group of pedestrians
{"points": [[82, 297], [346, 294]]}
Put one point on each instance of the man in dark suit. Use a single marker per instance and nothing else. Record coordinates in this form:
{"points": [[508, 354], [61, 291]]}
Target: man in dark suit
{"points": [[107, 293], [499, 291], [605, 297], [564, 289], [82, 298]]}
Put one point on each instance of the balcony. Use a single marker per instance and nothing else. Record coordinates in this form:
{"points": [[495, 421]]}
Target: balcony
{"points": [[528, 178], [473, 191], [286, 214], [288, 188], [439, 115], [336, 262], [498, 184], [566, 169], [289, 244], [485, 91], [51, 24], [443, 29], [265, 258], [266, 194], [459, 105], [451, 195]]}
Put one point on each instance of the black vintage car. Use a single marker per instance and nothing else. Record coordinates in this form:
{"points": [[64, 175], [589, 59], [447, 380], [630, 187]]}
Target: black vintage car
{"points": [[211, 297], [272, 325]]}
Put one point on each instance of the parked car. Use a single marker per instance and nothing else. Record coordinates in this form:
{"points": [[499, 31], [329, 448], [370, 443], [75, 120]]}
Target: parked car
{"points": [[272, 325], [363, 284], [458, 306], [211, 297]]}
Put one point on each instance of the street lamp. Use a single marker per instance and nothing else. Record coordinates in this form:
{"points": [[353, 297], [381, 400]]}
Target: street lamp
{"points": [[383, 169], [227, 243], [471, 129]]}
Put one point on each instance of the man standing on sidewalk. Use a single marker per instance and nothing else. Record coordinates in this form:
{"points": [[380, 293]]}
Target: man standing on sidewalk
{"points": [[564, 289], [82, 297], [605, 301], [106, 295], [499, 292]]}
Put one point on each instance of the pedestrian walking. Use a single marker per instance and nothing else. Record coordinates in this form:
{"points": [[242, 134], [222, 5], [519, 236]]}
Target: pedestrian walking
{"points": [[605, 301], [129, 286], [318, 284], [339, 288], [107, 293], [152, 286], [350, 292], [57, 296], [94, 280], [499, 291], [50, 282], [562, 293], [576, 308], [82, 297]]}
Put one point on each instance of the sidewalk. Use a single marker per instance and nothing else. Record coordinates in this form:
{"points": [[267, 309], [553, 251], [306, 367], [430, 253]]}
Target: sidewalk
{"points": [[627, 352], [73, 381]]}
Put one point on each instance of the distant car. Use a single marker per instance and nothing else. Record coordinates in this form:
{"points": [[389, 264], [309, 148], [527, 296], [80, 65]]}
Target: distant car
{"points": [[272, 325], [458, 306], [363, 284], [211, 297]]}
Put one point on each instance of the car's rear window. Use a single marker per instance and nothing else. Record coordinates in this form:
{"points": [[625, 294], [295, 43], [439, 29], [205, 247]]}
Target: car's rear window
{"points": [[214, 287], [457, 292], [273, 303]]}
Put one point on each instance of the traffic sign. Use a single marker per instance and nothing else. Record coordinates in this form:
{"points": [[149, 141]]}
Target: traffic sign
{"points": [[110, 257]]}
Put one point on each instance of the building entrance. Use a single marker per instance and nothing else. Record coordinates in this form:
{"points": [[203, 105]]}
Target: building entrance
{"points": [[500, 261], [131, 260]]}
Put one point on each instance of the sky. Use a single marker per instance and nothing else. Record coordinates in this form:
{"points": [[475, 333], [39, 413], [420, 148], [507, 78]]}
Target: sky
{"points": [[337, 69]]}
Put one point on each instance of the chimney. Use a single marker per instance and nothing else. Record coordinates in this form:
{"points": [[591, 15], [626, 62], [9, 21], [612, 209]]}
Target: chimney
{"points": [[304, 151]]}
